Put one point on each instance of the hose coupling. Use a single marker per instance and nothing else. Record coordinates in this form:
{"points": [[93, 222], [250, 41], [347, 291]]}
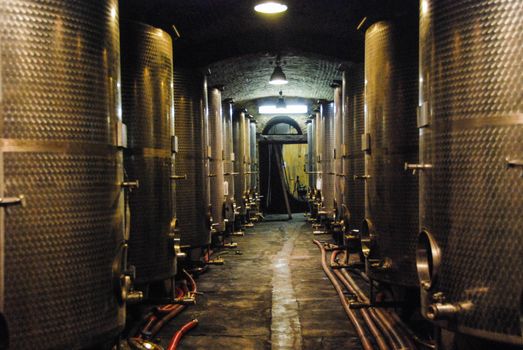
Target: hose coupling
{"points": [[440, 311]]}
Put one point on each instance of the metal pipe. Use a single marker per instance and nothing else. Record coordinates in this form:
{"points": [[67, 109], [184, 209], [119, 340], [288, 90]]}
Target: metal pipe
{"points": [[396, 323], [380, 315], [365, 313], [412, 335], [366, 316], [402, 336], [383, 326], [350, 313]]}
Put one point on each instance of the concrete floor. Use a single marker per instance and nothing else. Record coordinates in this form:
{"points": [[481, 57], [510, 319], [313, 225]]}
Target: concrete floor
{"points": [[272, 296]]}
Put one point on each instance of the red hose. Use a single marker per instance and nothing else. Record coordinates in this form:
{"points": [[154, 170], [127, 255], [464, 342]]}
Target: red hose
{"points": [[176, 309], [180, 333], [155, 324]]}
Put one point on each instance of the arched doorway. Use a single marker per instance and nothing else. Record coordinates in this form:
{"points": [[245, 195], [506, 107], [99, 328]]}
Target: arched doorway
{"points": [[282, 125], [283, 181]]}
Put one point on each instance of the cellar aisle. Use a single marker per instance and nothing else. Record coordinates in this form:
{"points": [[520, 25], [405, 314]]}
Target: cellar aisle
{"points": [[272, 294]]}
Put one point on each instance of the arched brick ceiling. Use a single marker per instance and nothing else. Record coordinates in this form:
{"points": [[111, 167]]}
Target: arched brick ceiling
{"points": [[247, 77], [214, 30]]}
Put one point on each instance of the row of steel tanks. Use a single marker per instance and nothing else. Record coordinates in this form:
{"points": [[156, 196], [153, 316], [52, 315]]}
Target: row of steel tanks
{"points": [[232, 155], [214, 192], [426, 163], [102, 189]]}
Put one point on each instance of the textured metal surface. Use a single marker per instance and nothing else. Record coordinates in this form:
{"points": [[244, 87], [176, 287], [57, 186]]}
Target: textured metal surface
{"points": [[254, 156], [391, 64], [215, 135], [191, 203], [228, 149], [353, 128], [247, 155], [339, 179], [239, 121], [327, 151], [60, 70], [471, 202], [147, 104], [311, 153], [318, 145]]}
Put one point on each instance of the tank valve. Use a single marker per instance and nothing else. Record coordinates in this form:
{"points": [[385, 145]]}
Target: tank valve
{"points": [[514, 163], [10, 201], [441, 310], [384, 264], [131, 184], [416, 167], [178, 249], [128, 295], [362, 177], [134, 297]]}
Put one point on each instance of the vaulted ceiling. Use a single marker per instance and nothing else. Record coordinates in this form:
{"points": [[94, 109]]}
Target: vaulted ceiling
{"points": [[314, 36], [247, 77]]}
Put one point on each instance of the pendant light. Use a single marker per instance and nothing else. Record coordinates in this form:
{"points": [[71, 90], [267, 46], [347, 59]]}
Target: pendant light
{"points": [[281, 102], [277, 76]]}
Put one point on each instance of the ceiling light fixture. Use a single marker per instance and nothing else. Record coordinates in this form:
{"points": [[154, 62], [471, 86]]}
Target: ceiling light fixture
{"points": [[270, 7], [281, 102], [277, 76], [290, 109]]}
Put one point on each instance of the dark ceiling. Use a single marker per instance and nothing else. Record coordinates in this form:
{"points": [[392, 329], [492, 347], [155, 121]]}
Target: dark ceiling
{"points": [[214, 30]]}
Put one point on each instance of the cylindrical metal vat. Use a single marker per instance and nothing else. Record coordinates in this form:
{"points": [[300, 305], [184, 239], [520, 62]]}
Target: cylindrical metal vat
{"points": [[228, 160], [247, 155], [215, 137], [339, 179], [147, 101], [191, 202], [471, 147], [254, 157], [239, 120], [391, 207], [318, 145], [327, 160], [353, 129], [311, 152], [61, 256]]}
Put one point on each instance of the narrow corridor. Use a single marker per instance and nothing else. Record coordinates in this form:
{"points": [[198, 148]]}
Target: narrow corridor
{"points": [[271, 294]]}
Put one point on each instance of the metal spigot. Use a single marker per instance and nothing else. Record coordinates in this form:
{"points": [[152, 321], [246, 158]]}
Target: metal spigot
{"points": [[131, 184], [134, 297], [11, 201], [128, 295], [179, 177], [178, 249], [441, 310], [514, 163], [416, 167], [362, 177]]}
